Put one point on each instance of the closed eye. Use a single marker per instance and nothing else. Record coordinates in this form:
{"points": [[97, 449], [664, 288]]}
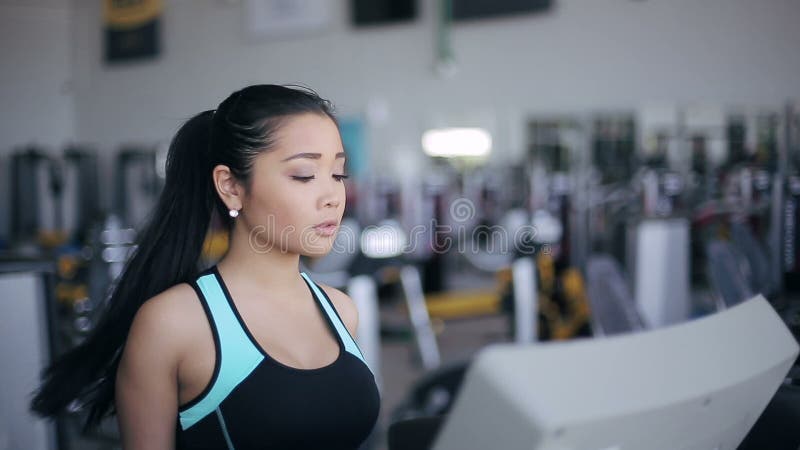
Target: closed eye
{"points": [[311, 177]]}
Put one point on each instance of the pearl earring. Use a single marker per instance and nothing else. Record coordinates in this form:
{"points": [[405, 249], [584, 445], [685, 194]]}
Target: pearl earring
{"points": [[234, 213]]}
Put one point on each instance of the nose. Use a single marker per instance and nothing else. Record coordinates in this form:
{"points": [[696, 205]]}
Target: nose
{"points": [[332, 195], [331, 202]]}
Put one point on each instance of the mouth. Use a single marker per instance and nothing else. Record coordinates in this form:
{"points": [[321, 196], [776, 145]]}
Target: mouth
{"points": [[326, 228]]}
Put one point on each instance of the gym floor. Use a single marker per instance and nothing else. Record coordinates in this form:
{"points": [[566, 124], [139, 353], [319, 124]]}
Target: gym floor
{"points": [[459, 340]]}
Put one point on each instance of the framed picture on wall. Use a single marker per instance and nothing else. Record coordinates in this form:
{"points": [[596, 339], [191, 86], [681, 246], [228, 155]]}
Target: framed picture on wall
{"points": [[485, 9], [266, 19], [132, 29], [382, 12]]}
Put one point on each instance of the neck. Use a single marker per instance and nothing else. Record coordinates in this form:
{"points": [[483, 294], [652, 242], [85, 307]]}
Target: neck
{"points": [[258, 266]]}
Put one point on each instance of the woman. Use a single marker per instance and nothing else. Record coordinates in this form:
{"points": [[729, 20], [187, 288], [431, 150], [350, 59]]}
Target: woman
{"points": [[250, 353]]}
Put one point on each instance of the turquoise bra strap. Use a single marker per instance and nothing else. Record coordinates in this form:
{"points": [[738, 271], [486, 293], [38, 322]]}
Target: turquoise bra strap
{"points": [[238, 356], [349, 343]]}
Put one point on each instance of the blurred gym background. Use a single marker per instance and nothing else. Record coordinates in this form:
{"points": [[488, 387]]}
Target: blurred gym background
{"points": [[521, 171]]}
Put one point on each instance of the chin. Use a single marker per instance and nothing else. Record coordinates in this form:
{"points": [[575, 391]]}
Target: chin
{"points": [[316, 251], [315, 254]]}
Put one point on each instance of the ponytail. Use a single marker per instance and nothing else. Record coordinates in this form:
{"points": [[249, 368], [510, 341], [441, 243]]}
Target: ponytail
{"points": [[167, 253]]}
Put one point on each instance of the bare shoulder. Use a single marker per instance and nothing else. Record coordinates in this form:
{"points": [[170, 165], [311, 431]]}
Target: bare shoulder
{"points": [[170, 305], [146, 388], [344, 306], [168, 319]]}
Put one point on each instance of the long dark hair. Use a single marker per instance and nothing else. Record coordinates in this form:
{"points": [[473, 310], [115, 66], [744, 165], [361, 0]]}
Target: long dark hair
{"points": [[169, 246]]}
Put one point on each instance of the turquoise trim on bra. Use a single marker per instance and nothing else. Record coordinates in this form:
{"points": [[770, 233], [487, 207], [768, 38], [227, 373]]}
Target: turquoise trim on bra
{"points": [[349, 343], [238, 356]]}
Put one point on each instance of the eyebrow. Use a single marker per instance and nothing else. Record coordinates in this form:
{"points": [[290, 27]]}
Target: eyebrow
{"points": [[311, 156]]}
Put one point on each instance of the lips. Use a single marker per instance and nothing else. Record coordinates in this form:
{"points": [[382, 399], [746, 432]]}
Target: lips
{"points": [[327, 228], [328, 223]]}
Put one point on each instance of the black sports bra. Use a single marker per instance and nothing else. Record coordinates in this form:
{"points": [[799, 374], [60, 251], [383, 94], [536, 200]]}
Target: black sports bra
{"points": [[256, 402]]}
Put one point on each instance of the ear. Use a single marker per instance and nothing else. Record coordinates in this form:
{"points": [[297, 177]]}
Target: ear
{"points": [[228, 187]]}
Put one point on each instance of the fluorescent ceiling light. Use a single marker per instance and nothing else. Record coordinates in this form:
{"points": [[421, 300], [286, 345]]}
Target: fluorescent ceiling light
{"points": [[455, 142]]}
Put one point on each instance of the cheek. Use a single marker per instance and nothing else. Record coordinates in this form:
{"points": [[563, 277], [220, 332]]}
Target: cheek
{"points": [[280, 204], [267, 196]]}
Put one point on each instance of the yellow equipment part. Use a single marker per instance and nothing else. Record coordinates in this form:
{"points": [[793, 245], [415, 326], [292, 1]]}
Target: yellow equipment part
{"points": [[469, 303], [215, 245], [461, 304]]}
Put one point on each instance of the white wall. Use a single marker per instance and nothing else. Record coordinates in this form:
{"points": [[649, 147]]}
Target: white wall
{"points": [[598, 54], [35, 93]]}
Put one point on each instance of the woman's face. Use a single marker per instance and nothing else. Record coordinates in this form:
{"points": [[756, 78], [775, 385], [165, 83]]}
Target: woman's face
{"points": [[297, 193]]}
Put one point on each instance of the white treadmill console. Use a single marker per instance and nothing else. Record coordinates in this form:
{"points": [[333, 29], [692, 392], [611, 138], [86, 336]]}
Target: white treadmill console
{"points": [[699, 385]]}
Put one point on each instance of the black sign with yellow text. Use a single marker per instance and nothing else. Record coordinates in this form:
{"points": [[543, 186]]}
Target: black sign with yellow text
{"points": [[131, 29]]}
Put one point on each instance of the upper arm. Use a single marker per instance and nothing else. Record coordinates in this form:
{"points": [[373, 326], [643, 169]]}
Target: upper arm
{"points": [[146, 394], [345, 307]]}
